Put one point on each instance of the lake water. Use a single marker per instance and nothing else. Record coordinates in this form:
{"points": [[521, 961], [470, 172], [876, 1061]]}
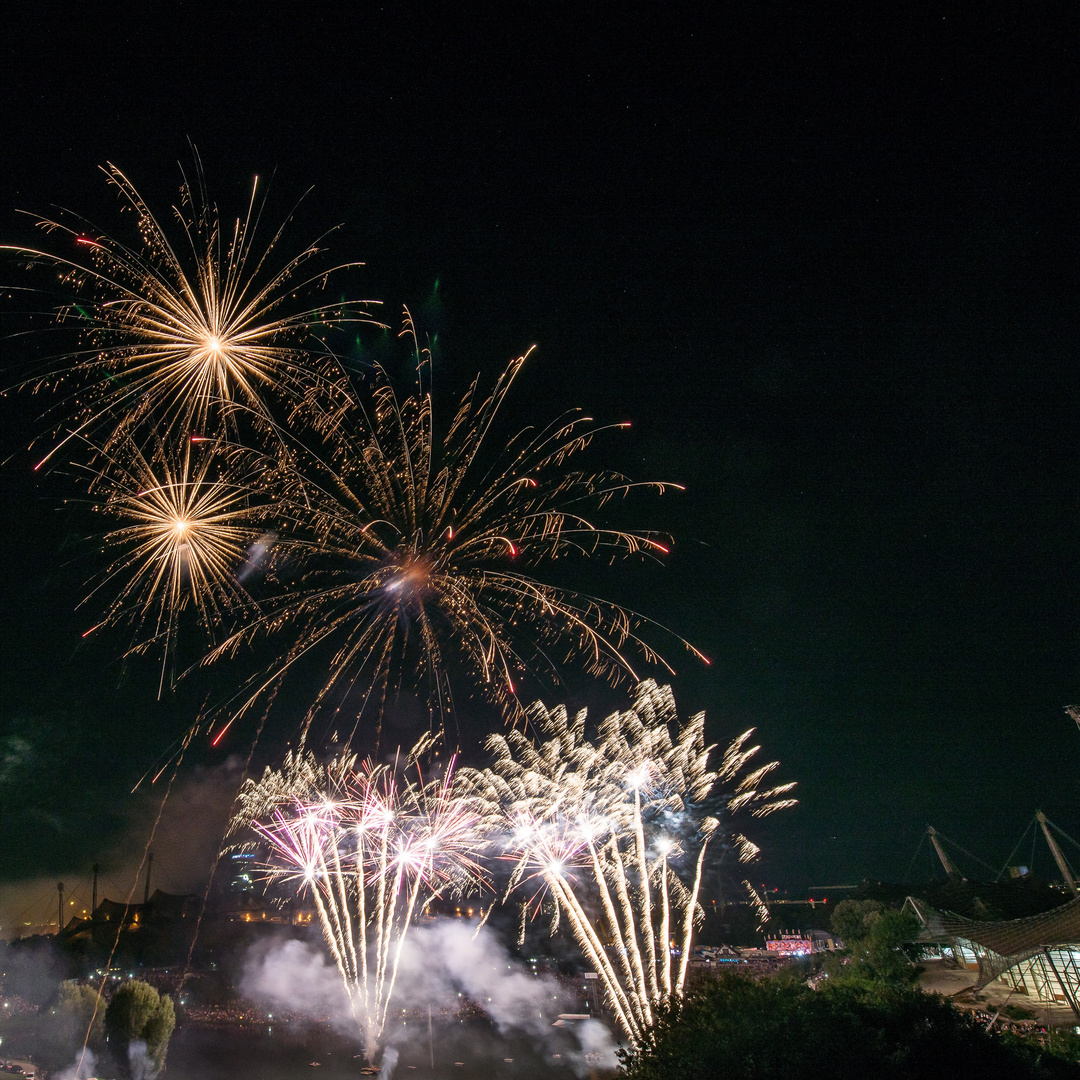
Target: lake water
{"points": [[470, 1050]]}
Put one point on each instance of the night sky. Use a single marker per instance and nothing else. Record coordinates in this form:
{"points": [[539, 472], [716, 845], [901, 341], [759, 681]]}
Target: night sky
{"points": [[826, 265]]}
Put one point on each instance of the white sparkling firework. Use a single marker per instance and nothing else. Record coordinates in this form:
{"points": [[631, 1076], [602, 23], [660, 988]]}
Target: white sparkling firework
{"points": [[614, 836], [371, 848]]}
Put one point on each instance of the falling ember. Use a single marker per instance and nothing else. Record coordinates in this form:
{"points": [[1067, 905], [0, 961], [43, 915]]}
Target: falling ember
{"points": [[221, 734], [591, 831]]}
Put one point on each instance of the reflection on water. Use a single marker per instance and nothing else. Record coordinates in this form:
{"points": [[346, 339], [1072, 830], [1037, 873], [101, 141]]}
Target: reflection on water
{"points": [[470, 1050], [206, 1054]]}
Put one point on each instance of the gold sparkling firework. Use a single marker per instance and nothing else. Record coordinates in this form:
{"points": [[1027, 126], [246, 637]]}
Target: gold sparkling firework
{"points": [[178, 326], [405, 549], [613, 835], [371, 849], [184, 525], [413, 551]]}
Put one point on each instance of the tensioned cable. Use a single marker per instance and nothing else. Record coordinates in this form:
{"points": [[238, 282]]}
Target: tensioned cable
{"points": [[911, 865], [966, 852], [1058, 829], [1009, 860]]}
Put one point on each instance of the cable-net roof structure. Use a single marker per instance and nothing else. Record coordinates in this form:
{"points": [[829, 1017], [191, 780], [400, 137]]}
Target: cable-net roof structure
{"points": [[1000, 944]]}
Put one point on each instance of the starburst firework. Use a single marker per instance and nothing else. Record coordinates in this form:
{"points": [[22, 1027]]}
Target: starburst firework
{"points": [[615, 833], [177, 327], [184, 518], [412, 551], [404, 548], [371, 849]]}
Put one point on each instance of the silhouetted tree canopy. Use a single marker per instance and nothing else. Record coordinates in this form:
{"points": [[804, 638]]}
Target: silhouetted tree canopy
{"points": [[776, 1029], [136, 1014], [873, 935]]}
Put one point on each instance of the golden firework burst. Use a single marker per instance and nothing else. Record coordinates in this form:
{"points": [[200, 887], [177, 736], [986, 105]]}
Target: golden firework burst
{"points": [[184, 525], [181, 326], [409, 552]]}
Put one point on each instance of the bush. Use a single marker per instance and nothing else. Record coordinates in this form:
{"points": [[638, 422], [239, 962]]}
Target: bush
{"points": [[736, 1029], [138, 1014]]}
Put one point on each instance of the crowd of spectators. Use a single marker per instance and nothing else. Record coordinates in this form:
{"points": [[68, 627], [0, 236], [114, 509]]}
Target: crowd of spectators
{"points": [[13, 1005], [997, 1021]]}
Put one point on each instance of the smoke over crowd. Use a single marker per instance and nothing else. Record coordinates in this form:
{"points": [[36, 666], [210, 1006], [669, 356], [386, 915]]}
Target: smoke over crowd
{"points": [[442, 966]]}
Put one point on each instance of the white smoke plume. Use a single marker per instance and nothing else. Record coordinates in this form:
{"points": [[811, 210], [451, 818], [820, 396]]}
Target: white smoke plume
{"points": [[389, 1060], [438, 963], [140, 1062], [256, 556], [296, 976], [82, 1068], [447, 957]]}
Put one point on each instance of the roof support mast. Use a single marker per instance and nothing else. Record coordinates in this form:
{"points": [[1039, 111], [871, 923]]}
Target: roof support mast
{"points": [[1059, 858], [945, 860]]}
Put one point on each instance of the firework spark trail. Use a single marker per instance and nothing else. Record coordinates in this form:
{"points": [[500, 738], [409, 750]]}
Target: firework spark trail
{"points": [[409, 553], [186, 514], [174, 329], [402, 548], [598, 825], [100, 995], [371, 849]]}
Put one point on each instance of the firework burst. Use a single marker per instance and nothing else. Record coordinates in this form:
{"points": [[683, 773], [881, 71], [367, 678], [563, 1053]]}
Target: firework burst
{"points": [[371, 850], [411, 551], [181, 324], [184, 517], [406, 546], [614, 833]]}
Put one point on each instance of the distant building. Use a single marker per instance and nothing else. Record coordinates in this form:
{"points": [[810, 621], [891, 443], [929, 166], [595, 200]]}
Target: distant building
{"points": [[799, 944], [242, 872], [160, 911], [244, 907]]}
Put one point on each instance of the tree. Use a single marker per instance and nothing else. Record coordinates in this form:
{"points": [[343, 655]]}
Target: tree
{"points": [[158, 1031], [138, 1014], [738, 1029], [852, 919], [79, 1017], [873, 936], [57, 1033]]}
